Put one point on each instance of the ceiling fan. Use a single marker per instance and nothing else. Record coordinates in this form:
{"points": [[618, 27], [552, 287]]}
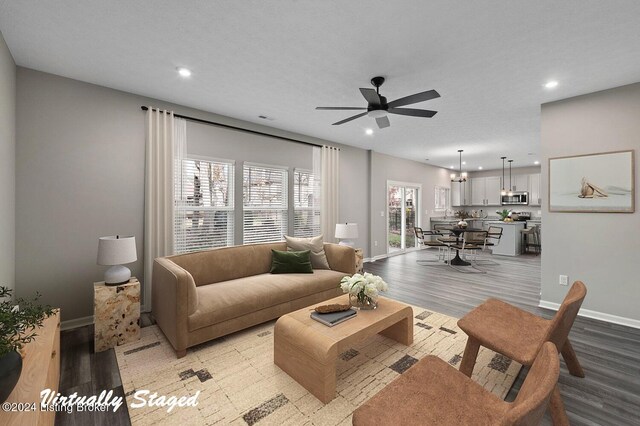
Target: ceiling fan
{"points": [[378, 107]]}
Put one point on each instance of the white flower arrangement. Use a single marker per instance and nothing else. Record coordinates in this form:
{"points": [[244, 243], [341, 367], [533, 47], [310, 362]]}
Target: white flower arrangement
{"points": [[367, 286]]}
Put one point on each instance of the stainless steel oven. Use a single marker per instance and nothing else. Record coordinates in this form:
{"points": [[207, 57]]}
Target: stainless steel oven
{"points": [[518, 198]]}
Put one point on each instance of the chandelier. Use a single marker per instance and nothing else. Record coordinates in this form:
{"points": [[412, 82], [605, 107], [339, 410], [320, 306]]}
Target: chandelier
{"points": [[463, 175]]}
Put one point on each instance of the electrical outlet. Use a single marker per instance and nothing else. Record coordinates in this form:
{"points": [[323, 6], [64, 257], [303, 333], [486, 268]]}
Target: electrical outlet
{"points": [[381, 213], [564, 280], [375, 243]]}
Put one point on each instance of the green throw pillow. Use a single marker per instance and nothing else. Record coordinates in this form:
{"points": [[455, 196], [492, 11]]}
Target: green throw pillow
{"points": [[291, 262]]}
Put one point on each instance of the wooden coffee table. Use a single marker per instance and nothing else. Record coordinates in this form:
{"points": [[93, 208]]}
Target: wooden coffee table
{"points": [[308, 350]]}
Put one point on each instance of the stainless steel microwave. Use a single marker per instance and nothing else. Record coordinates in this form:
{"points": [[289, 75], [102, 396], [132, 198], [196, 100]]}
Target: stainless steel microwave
{"points": [[518, 198]]}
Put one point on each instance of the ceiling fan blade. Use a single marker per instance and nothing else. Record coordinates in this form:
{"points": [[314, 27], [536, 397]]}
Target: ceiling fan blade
{"points": [[350, 118], [413, 99], [341, 108], [413, 112], [371, 96], [383, 122]]}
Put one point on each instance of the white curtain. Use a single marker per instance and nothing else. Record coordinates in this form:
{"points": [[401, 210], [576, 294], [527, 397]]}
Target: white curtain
{"points": [[160, 160], [330, 179]]}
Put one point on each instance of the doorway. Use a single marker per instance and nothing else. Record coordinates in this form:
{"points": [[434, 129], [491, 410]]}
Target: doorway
{"points": [[402, 211]]}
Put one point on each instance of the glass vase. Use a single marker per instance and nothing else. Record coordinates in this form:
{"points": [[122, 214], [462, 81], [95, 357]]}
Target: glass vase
{"points": [[362, 301]]}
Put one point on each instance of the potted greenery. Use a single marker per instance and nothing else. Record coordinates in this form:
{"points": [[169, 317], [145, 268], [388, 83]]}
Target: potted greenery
{"points": [[504, 214], [18, 322]]}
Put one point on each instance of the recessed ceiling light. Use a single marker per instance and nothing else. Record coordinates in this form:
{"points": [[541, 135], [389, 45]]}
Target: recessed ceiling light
{"points": [[536, 162], [369, 131], [451, 167], [184, 72], [479, 167], [464, 162], [551, 84]]}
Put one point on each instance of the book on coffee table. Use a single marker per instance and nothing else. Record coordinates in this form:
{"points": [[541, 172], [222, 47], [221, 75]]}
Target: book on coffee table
{"points": [[334, 318]]}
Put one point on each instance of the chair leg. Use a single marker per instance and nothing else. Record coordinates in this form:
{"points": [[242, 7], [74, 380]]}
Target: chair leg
{"points": [[469, 356], [556, 407], [570, 358]]}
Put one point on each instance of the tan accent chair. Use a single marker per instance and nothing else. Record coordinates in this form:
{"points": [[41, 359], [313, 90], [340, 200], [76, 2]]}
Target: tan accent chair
{"points": [[519, 335], [203, 295], [434, 393]]}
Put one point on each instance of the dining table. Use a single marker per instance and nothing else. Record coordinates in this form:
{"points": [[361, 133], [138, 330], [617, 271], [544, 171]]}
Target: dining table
{"points": [[457, 231]]}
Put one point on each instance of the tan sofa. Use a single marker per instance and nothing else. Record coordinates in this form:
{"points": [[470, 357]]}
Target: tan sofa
{"points": [[207, 294]]}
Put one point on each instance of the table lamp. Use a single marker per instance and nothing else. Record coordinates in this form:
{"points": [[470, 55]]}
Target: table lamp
{"points": [[115, 251], [346, 232]]}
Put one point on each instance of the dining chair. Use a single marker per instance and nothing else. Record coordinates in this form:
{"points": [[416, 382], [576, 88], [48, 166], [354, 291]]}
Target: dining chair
{"points": [[519, 335], [471, 242], [432, 392], [492, 238], [429, 239]]}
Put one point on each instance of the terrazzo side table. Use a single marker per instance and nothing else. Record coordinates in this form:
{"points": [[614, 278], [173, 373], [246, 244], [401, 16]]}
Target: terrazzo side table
{"points": [[359, 261], [116, 312]]}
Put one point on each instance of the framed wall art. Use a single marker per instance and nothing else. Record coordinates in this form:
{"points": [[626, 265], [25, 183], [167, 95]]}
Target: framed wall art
{"points": [[593, 183]]}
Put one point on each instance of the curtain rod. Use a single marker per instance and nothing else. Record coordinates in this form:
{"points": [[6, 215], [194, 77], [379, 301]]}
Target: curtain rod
{"points": [[255, 132]]}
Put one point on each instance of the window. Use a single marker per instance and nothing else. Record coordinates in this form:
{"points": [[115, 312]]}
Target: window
{"points": [[204, 205], [264, 194], [442, 198], [306, 208]]}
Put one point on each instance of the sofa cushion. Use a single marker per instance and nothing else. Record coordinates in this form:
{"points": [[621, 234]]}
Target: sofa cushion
{"points": [[234, 298], [315, 244], [291, 262]]}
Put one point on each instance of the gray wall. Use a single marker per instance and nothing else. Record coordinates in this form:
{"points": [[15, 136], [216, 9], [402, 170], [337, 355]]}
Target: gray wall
{"points": [[80, 175], [7, 165], [601, 249], [386, 168]]}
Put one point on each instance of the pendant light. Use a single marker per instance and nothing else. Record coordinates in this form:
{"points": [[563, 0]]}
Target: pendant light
{"points": [[510, 187], [503, 191], [463, 175]]}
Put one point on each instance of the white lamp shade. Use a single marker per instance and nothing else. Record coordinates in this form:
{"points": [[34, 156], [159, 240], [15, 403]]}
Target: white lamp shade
{"points": [[347, 231], [116, 250]]}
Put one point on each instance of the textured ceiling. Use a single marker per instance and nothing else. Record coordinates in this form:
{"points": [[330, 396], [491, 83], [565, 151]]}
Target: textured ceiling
{"points": [[488, 59]]}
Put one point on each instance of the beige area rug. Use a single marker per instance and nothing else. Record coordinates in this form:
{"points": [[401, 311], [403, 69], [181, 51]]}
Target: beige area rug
{"points": [[240, 385]]}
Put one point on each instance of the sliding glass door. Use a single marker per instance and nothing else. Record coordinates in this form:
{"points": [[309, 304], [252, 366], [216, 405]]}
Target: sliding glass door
{"points": [[402, 212]]}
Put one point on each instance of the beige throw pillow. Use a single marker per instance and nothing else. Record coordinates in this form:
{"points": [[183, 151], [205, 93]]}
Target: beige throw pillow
{"points": [[313, 244]]}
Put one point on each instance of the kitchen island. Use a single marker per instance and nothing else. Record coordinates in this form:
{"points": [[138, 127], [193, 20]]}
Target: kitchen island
{"points": [[511, 242]]}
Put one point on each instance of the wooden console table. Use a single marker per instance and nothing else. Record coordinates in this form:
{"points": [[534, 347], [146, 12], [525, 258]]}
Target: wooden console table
{"points": [[40, 370]]}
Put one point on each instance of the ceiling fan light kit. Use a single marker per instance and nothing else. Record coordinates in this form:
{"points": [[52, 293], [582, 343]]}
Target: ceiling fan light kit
{"points": [[378, 107]]}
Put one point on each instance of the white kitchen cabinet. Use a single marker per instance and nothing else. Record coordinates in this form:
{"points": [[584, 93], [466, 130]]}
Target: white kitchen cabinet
{"points": [[492, 191], [485, 191], [477, 191], [460, 194], [520, 183], [535, 193]]}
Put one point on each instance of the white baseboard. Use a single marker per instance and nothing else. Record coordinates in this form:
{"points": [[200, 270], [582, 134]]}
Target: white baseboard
{"points": [[629, 322], [75, 323]]}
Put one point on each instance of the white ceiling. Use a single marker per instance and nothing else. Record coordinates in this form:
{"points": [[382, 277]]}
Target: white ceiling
{"points": [[488, 59]]}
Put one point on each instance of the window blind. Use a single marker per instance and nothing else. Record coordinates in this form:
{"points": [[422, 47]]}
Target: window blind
{"points": [[264, 204], [204, 205], [306, 204]]}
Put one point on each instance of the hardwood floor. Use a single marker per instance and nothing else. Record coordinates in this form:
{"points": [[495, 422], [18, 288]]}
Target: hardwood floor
{"points": [[609, 354]]}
